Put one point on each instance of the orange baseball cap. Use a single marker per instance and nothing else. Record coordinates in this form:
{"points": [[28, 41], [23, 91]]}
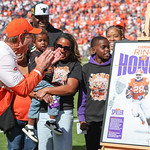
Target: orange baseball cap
{"points": [[119, 23], [19, 26]]}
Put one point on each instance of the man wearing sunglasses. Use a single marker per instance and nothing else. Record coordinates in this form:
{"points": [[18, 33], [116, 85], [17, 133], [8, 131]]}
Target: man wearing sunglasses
{"points": [[40, 19]]}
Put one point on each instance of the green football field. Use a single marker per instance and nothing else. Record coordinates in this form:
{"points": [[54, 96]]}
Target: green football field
{"points": [[78, 139]]}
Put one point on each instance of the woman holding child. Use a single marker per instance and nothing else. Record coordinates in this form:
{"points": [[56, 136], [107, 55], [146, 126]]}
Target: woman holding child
{"points": [[67, 71]]}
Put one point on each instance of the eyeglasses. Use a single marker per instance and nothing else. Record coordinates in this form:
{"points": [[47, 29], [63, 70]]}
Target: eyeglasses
{"points": [[66, 48]]}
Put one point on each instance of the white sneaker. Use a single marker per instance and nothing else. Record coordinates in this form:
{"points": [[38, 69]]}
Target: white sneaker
{"points": [[30, 133]]}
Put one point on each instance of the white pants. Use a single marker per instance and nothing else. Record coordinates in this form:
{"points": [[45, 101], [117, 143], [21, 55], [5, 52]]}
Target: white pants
{"points": [[49, 140], [142, 105]]}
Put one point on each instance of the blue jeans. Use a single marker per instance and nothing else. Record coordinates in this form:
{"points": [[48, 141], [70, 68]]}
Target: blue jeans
{"points": [[35, 105], [48, 140], [17, 140]]}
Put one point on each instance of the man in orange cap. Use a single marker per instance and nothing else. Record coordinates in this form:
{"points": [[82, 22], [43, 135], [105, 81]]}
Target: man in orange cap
{"points": [[18, 37], [121, 25]]}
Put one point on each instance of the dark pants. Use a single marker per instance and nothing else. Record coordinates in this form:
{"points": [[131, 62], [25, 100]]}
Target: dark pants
{"points": [[17, 140], [93, 136]]}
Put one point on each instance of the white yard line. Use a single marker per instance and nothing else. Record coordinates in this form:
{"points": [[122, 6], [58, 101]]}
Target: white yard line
{"points": [[76, 120]]}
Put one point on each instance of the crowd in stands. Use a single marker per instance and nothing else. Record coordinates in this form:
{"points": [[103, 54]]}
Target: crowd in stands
{"points": [[82, 18]]}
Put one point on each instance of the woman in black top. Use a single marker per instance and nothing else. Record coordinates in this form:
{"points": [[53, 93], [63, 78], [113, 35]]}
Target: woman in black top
{"points": [[67, 72]]}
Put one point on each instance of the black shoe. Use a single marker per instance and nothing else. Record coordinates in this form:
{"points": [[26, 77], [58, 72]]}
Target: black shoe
{"points": [[30, 133], [54, 127]]}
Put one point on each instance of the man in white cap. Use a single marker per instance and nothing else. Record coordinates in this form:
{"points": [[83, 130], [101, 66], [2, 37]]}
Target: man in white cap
{"points": [[40, 19]]}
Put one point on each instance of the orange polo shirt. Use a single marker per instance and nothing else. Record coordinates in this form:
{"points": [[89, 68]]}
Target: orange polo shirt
{"points": [[21, 107]]}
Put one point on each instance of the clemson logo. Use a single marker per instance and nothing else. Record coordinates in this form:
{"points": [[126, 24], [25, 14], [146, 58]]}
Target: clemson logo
{"points": [[15, 69]]}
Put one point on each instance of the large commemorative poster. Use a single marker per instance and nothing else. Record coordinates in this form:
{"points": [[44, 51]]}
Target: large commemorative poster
{"points": [[127, 116]]}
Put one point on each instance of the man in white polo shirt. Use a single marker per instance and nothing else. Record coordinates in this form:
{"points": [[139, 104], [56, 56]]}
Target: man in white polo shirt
{"points": [[18, 37]]}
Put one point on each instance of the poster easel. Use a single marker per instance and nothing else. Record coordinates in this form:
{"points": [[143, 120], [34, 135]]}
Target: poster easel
{"points": [[109, 146], [146, 32], [145, 36]]}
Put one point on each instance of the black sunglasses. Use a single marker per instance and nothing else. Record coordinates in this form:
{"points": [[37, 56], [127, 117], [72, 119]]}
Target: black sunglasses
{"points": [[66, 48], [42, 17]]}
